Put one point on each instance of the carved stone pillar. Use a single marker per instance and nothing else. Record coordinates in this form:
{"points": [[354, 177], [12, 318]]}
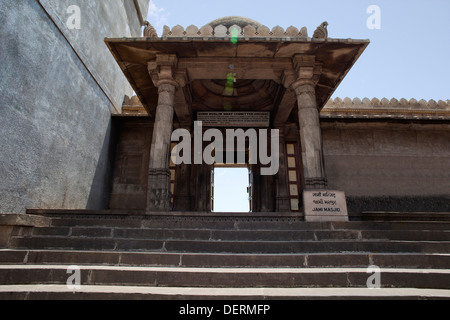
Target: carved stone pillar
{"points": [[162, 71], [308, 73], [282, 191]]}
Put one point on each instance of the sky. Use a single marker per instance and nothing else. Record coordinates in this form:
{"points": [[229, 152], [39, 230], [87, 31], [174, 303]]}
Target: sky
{"points": [[230, 190], [408, 56]]}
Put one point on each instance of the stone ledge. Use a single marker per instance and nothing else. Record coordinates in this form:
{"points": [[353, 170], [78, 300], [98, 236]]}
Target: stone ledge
{"points": [[142, 213], [24, 220], [19, 224], [99, 292], [225, 214], [438, 217]]}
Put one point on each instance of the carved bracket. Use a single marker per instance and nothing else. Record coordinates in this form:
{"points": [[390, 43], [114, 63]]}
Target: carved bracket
{"points": [[307, 69], [163, 69]]}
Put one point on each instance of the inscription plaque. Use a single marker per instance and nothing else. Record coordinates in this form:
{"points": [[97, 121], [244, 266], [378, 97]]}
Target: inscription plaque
{"points": [[325, 205], [234, 119]]}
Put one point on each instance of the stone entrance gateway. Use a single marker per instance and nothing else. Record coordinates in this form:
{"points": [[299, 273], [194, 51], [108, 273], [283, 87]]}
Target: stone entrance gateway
{"points": [[159, 240], [234, 66]]}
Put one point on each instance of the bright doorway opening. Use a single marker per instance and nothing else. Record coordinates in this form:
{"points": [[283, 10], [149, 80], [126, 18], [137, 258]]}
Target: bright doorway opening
{"points": [[231, 191]]}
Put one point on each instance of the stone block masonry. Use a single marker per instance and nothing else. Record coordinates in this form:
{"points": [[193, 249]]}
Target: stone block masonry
{"points": [[57, 91]]}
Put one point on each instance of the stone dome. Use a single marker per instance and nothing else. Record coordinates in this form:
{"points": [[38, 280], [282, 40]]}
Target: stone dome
{"points": [[234, 20]]}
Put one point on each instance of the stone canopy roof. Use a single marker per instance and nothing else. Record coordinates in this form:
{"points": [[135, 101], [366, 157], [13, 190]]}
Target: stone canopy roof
{"points": [[261, 59]]}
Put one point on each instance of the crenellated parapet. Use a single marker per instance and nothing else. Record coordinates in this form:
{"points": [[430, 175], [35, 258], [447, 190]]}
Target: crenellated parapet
{"points": [[243, 28], [222, 31], [384, 108], [132, 107]]}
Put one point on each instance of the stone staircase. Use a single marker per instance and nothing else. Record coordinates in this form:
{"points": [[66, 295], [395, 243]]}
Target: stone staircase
{"points": [[225, 256]]}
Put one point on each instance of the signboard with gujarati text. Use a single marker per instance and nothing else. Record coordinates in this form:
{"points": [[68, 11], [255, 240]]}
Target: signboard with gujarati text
{"points": [[325, 205]]}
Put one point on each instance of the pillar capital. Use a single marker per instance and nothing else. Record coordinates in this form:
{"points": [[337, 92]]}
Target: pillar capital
{"points": [[163, 69], [164, 60], [307, 71]]}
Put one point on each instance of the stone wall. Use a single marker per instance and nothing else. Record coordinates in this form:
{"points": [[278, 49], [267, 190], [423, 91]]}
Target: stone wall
{"points": [[57, 91], [130, 183], [386, 165]]}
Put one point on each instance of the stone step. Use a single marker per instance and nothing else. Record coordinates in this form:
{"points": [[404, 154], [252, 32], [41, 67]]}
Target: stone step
{"points": [[242, 235], [225, 277], [61, 292], [210, 222], [142, 259], [216, 246], [225, 256], [405, 216]]}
